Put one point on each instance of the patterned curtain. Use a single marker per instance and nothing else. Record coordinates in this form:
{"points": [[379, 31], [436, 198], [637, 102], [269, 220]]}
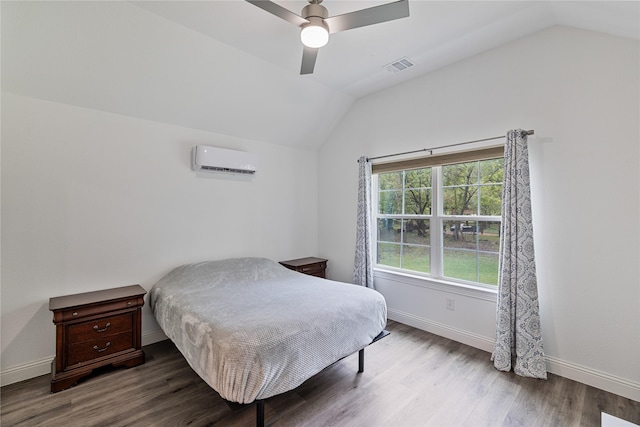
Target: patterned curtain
{"points": [[518, 331], [363, 268]]}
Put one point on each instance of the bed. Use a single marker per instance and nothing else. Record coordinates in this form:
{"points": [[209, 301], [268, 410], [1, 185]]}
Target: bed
{"points": [[253, 329]]}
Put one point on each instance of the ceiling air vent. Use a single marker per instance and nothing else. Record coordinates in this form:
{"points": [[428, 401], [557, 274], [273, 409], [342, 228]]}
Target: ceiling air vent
{"points": [[399, 65]]}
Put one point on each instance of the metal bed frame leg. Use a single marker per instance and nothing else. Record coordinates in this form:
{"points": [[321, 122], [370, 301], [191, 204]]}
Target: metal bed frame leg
{"points": [[260, 403], [260, 413]]}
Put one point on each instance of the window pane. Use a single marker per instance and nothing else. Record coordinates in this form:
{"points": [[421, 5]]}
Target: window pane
{"points": [[463, 194], [389, 254], [471, 250], [489, 247], [460, 174], [390, 181], [459, 264], [418, 178], [417, 194], [416, 231], [460, 235], [491, 200], [389, 230], [416, 258], [460, 200], [390, 202], [417, 201], [489, 236], [492, 171], [488, 268]]}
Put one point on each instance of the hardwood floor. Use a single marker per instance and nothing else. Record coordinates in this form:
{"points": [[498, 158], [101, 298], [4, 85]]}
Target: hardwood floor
{"points": [[411, 378]]}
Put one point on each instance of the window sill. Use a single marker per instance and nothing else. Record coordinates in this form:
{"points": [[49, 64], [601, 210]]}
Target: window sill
{"points": [[477, 292]]}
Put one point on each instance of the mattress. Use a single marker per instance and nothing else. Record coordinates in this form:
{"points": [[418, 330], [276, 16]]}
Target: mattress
{"points": [[252, 329]]}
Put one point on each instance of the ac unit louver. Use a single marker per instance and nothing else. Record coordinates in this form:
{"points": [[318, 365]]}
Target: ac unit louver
{"points": [[213, 159]]}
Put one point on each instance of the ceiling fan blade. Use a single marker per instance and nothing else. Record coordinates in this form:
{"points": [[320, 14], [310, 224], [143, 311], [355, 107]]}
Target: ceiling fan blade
{"points": [[309, 55], [279, 11], [372, 15]]}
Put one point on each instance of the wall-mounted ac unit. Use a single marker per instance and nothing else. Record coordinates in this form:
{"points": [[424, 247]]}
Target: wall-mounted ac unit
{"points": [[213, 159]]}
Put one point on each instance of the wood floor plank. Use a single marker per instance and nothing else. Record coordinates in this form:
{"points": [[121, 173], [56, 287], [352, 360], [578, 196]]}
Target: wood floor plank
{"points": [[566, 402], [411, 378], [492, 410]]}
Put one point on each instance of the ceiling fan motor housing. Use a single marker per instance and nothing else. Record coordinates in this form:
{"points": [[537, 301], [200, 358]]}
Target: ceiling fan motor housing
{"points": [[314, 10]]}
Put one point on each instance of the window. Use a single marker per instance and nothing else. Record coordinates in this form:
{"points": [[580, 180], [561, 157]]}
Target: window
{"points": [[442, 220]]}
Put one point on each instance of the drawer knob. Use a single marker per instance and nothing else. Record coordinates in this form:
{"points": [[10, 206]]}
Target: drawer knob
{"points": [[97, 328], [128, 303], [99, 350], [75, 313]]}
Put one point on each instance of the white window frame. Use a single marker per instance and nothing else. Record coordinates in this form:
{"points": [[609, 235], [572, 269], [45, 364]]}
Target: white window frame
{"points": [[436, 221]]}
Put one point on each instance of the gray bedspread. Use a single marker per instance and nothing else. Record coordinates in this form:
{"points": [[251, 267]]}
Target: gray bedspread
{"points": [[253, 329]]}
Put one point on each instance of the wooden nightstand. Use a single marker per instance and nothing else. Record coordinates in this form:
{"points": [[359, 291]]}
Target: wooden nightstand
{"points": [[310, 265], [95, 329]]}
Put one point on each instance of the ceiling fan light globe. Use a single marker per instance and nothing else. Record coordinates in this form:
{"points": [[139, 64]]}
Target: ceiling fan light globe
{"points": [[314, 36]]}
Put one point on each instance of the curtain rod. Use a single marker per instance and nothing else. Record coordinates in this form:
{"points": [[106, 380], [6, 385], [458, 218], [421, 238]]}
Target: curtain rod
{"points": [[430, 150]]}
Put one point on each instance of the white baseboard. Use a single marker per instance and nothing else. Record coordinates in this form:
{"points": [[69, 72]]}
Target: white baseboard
{"points": [[150, 337], [594, 378], [26, 371], [572, 371], [40, 367], [447, 331]]}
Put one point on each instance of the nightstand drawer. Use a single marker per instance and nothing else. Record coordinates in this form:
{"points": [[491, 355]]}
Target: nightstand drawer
{"points": [[80, 312], [310, 265], [100, 328], [87, 351], [314, 269]]}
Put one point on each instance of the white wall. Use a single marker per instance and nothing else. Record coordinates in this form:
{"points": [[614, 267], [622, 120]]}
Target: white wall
{"points": [[93, 200], [579, 91]]}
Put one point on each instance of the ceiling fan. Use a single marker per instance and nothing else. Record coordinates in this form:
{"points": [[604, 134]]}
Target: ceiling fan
{"points": [[316, 24]]}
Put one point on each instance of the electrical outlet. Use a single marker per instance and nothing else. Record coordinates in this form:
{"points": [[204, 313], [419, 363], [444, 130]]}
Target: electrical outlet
{"points": [[451, 304]]}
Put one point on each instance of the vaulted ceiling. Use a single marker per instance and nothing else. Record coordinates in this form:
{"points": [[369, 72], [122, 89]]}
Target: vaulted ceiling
{"points": [[230, 68]]}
